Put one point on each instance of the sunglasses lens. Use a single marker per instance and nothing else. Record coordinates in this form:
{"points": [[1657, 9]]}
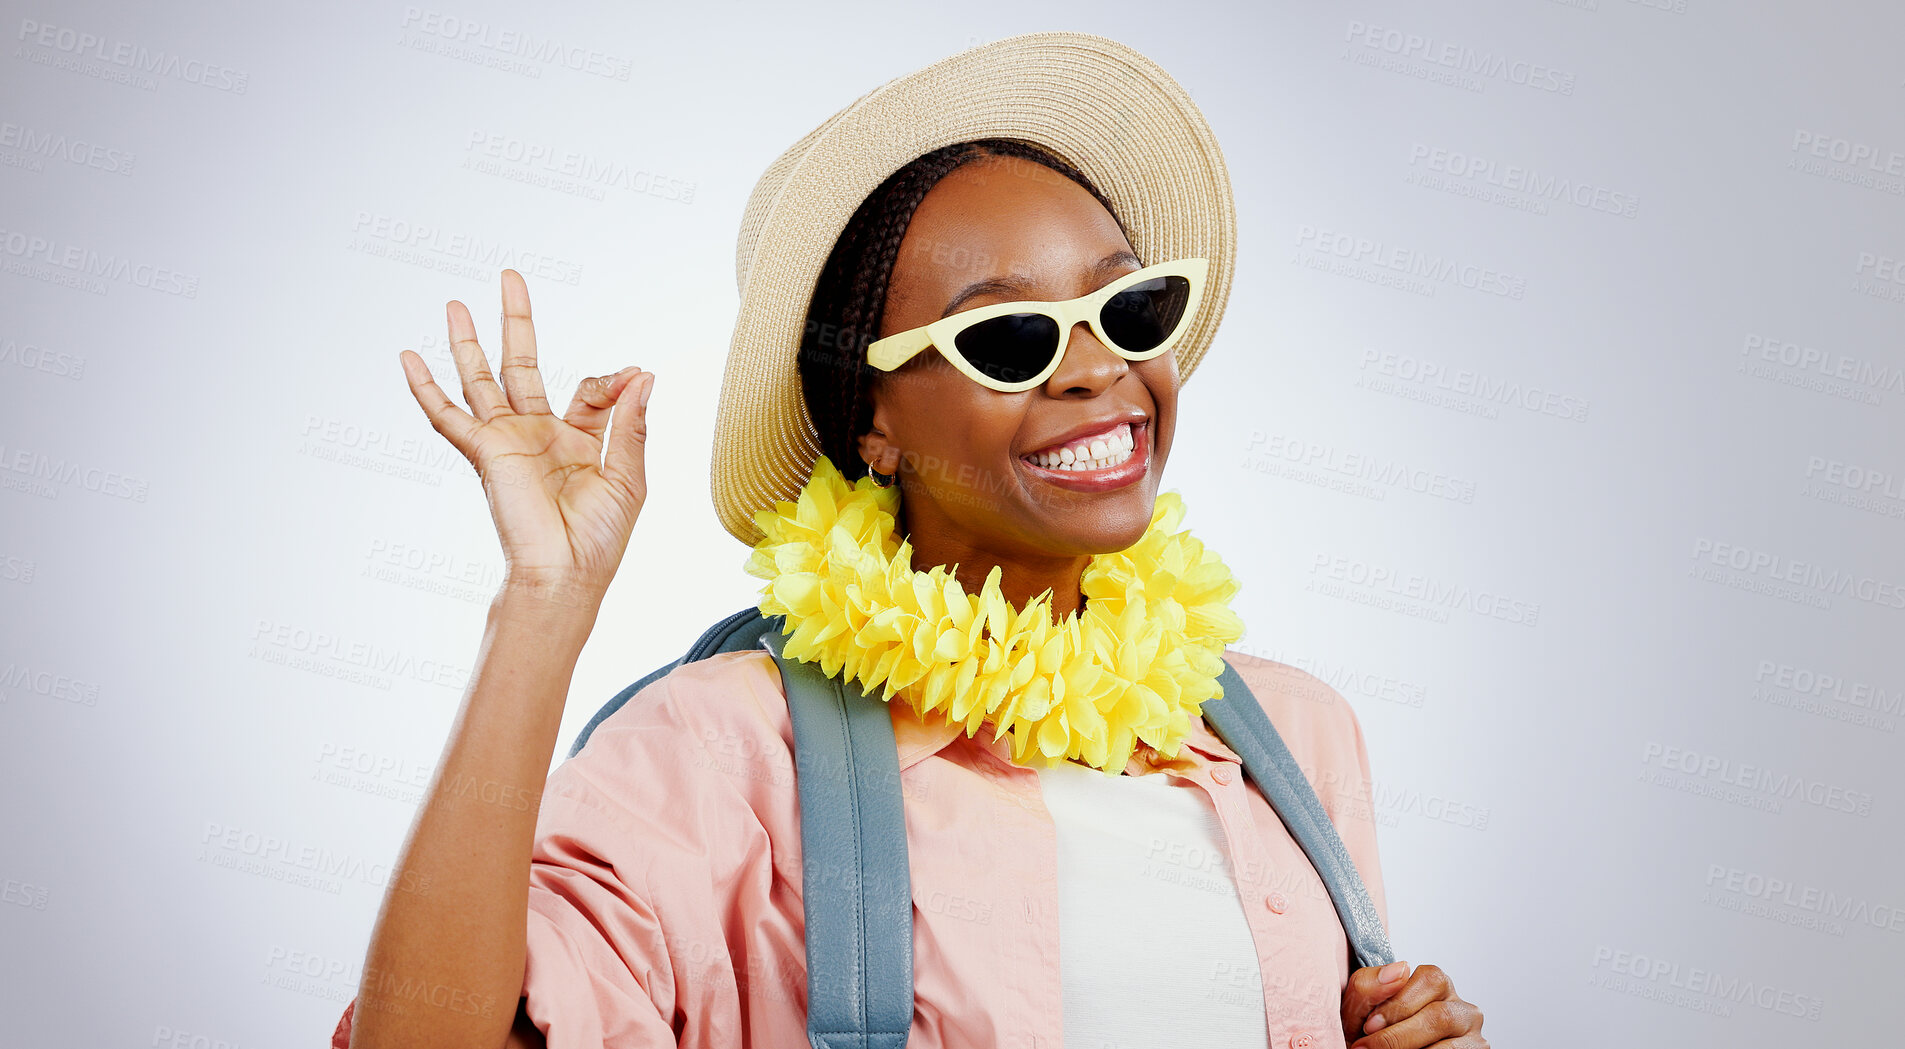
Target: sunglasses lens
{"points": [[1012, 348], [1142, 316]]}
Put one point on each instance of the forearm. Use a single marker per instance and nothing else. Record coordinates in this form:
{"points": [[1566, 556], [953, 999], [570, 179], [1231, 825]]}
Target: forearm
{"points": [[445, 964]]}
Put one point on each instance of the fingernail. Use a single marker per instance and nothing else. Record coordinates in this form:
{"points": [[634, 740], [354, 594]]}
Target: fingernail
{"points": [[1374, 1023], [1392, 972], [650, 388]]}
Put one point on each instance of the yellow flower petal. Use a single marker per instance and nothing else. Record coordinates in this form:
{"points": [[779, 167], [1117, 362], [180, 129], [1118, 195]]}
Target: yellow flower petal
{"points": [[1053, 737]]}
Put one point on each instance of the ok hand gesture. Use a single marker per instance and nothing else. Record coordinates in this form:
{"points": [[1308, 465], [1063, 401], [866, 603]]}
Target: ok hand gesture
{"points": [[562, 508]]}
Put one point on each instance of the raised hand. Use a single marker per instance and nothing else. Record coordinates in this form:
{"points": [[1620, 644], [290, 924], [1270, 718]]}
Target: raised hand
{"points": [[563, 509]]}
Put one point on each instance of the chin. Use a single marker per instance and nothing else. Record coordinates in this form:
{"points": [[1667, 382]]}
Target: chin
{"points": [[1100, 510], [1105, 525]]}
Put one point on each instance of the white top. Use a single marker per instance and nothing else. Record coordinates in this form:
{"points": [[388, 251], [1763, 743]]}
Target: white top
{"points": [[1153, 943]]}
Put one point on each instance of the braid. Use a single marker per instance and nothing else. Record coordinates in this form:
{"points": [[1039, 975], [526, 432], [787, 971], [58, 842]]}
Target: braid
{"points": [[849, 299]]}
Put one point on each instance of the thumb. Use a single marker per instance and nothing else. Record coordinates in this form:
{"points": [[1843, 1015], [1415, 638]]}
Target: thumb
{"points": [[624, 464], [1368, 988]]}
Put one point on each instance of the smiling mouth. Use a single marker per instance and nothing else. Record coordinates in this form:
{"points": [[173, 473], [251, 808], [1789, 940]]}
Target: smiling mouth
{"points": [[1101, 451]]}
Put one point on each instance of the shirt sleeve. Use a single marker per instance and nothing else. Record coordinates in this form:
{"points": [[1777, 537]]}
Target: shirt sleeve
{"points": [[663, 891], [640, 824], [596, 967], [341, 1035]]}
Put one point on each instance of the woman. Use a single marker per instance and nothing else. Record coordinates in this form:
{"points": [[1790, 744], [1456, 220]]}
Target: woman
{"points": [[1087, 865]]}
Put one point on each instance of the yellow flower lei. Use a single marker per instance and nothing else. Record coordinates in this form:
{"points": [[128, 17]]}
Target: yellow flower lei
{"points": [[1139, 664]]}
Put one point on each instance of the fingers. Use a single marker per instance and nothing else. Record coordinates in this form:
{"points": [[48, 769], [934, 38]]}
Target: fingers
{"points": [[594, 396], [452, 422], [1449, 1023], [1416, 1013], [1368, 988], [485, 398], [624, 466], [520, 378]]}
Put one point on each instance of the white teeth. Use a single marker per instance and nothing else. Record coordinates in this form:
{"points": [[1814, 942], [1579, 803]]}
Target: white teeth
{"points": [[1101, 453]]}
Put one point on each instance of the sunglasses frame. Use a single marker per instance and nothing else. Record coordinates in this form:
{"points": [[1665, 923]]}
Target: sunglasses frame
{"points": [[894, 350]]}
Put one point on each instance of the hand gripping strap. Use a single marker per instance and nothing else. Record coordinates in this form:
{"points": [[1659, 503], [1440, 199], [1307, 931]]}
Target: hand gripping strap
{"points": [[857, 888], [1240, 720]]}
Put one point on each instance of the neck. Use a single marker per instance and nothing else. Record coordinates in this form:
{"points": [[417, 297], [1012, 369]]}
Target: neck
{"points": [[1022, 576]]}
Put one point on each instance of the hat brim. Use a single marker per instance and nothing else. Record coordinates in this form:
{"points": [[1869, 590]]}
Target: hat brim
{"points": [[1103, 107]]}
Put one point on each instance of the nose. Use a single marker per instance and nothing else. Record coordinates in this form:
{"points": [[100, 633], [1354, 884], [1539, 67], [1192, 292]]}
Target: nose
{"points": [[1087, 368]]}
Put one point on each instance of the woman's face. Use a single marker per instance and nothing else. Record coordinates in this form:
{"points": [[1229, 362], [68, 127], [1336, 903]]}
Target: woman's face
{"points": [[1001, 229]]}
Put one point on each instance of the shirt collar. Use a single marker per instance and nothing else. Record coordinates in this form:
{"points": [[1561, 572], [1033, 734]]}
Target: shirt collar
{"points": [[1201, 738], [917, 738]]}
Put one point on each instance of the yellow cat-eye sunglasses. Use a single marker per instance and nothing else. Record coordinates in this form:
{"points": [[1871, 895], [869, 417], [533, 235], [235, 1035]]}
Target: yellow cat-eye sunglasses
{"points": [[1014, 346]]}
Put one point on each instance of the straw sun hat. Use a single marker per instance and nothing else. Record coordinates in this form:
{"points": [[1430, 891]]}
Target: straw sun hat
{"points": [[1103, 107]]}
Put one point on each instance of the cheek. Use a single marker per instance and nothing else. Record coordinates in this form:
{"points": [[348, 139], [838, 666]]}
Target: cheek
{"points": [[1160, 380], [994, 420], [943, 413]]}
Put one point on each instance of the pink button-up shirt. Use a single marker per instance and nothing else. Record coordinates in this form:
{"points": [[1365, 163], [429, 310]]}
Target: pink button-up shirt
{"points": [[665, 887]]}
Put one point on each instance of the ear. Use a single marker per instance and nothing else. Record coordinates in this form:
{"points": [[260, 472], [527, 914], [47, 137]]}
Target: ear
{"points": [[877, 449], [879, 453]]}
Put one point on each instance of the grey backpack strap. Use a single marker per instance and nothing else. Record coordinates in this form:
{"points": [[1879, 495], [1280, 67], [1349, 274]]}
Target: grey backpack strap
{"points": [[856, 885], [733, 633], [1240, 720]]}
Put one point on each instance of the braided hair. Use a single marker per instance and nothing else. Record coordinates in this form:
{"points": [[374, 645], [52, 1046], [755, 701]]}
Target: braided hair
{"points": [[850, 296]]}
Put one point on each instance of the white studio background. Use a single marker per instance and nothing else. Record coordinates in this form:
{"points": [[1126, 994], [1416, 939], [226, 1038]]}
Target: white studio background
{"points": [[1554, 421]]}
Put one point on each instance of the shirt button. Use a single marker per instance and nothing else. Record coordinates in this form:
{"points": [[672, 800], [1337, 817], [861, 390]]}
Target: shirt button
{"points": [[1302, 1041], [1222, 774], [1277, 903]]}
